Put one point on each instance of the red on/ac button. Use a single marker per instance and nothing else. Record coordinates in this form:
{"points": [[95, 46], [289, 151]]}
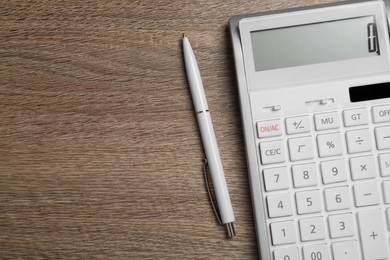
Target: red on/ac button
{"points": [[269, 128]]}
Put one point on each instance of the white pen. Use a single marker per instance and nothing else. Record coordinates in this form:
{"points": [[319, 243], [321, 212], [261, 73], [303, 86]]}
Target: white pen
{"points": [[208, 138]]}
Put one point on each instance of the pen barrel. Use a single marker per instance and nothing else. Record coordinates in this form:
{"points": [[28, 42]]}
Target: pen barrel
{"points": [[194, 78], [215, 166]]}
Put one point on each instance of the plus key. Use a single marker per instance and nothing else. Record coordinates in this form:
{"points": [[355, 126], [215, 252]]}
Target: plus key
{"points": [[372, 234]]}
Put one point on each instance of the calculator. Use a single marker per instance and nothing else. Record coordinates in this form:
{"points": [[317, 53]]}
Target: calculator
{"points": [[314, 91]]}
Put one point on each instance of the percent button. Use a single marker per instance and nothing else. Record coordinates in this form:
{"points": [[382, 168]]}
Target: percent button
{"points": [[329, 145]]}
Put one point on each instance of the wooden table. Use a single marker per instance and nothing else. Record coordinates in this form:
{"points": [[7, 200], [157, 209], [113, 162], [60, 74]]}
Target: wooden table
{"points": [[100, 153]]}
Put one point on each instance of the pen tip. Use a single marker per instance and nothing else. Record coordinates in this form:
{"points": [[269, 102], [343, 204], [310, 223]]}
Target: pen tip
{"points": [[231, 230], [184, 35]]}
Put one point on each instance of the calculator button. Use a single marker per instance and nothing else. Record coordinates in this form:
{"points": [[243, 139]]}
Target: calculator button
{"points": [[381, 114], [308, 201], [363, 167], [327, 121], [304, 175], [345, 250], [329, 145], [355, 117], [382, 135], [312, 229], [372, 234], [319, 251], [386, 191], [272, 152], [341, 225], [333, 171], [337, 198], [269, 128], [283, 233], [276, 178], [359, 141], [301, 148], [279, 205], [297, 125], [384, 164], [366, 194], [290, 253]]}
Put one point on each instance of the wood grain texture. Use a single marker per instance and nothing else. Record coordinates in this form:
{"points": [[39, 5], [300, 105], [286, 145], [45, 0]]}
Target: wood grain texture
{"points": [[100, 154]]}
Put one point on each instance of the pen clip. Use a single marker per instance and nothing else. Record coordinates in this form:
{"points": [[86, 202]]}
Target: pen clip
{"points": [[210, 192]]}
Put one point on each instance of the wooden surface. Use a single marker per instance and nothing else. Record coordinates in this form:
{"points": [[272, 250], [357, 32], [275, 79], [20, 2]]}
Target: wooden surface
{"points": [[100, 154]]}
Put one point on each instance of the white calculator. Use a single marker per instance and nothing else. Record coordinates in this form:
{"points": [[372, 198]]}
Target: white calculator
{"points": [[314, 87]]}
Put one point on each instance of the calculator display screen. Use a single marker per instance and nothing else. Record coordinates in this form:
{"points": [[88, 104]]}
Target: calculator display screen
{"points": [[369, 92], [314, 43]]}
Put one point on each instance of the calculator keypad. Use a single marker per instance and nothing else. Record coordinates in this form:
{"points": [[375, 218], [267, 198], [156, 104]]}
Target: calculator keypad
{"points": [[349, 248], [272, 152], [329, 144], [304, 175], [327, 186], [297, 125], [382, 135], [381, 114], [359, 141], [363, 167], [301, 148], [355, 117], [326, 121], [341, 225]]}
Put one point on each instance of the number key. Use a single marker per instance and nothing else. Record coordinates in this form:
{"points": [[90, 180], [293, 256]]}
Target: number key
{"points": [[304, 175], [275, 178], [312, 229], [279, 205], [333, 171], [316, 252], [337, 198], [341, 225], [290, 253], [308, 201], [283, 232]]}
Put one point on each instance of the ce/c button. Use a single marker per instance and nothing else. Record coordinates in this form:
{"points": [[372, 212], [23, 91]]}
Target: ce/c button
{"points": [[272, 152]]}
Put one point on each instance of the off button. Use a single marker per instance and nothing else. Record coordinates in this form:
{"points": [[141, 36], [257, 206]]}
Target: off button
{"points": [[272, 152], [269, 128], [381, 114]]}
